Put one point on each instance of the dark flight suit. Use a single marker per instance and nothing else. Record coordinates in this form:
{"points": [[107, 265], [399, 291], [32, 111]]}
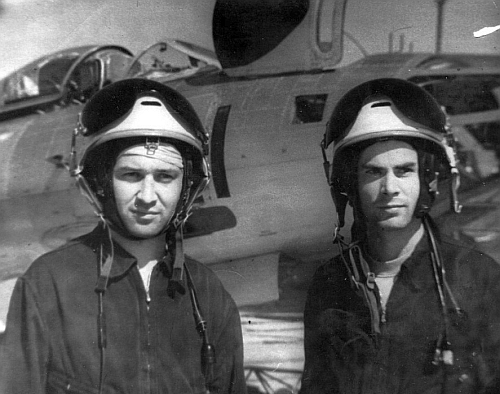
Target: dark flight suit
{"points": [[344, 354], [51, 344]]}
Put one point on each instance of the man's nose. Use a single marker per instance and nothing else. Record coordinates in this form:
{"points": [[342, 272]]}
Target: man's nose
{"points": [[390, 184], [147, 192]]}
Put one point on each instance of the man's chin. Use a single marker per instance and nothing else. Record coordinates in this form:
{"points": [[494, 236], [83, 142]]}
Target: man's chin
{"points": [[394, 224], [145, 233]]}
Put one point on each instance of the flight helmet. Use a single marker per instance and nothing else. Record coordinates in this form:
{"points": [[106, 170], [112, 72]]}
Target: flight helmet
{"points": [[128, 113], [380, 110]]}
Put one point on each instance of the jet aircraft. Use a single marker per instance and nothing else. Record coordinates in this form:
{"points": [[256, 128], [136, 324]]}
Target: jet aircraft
{"points": [[264, 95]]}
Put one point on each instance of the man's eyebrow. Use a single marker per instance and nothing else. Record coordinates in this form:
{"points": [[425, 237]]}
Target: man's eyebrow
{"points": [[402, 165], [368, 165], [407, 164], [138, 168], [127, 168]]}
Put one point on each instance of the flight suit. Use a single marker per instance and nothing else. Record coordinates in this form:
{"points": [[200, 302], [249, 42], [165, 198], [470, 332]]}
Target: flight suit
{"points": [[51, 340], [346, 353]]}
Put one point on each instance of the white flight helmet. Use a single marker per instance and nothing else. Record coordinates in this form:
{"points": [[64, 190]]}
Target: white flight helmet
{"points": [[385, 109]]}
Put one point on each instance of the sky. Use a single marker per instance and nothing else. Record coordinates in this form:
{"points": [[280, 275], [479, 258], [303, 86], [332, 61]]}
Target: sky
{"points": [[33, 28]]}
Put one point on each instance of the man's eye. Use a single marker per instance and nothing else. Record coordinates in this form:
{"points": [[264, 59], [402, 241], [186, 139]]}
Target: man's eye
{"points": [[405, 171], [164, 177], [129, 176]]}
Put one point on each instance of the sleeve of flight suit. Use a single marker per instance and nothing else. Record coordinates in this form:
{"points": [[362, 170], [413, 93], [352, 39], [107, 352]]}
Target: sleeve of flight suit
{"points": [[24, 350]]}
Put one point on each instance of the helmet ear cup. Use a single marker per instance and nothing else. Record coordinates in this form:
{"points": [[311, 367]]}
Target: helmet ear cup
{"points": [[98, 171], [429, 170], [340, 200], [343, 182]]}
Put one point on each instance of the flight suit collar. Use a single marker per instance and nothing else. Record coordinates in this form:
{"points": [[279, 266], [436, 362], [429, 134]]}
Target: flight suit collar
{"points": [[417, 270], [123, 261]]}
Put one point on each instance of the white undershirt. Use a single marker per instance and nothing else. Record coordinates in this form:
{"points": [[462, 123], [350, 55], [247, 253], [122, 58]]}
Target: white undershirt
{"points": [[145, 272], [386, 276], [387, 271]]}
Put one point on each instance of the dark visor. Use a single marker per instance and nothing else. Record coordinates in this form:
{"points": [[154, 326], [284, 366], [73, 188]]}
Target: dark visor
{"points": [[115, 100], [413, 101]]}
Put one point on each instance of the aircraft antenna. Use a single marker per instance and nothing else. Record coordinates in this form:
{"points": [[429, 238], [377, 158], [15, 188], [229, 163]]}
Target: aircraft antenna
{"points": [[439, 24], [357, 43]]}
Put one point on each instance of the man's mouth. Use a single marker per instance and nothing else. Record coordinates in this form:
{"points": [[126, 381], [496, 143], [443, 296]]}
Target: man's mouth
{"points": [[144, 213], [391, 207]]}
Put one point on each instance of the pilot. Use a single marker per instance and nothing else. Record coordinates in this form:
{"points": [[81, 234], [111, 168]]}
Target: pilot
{"points": [[121, 309], [401, 309]]}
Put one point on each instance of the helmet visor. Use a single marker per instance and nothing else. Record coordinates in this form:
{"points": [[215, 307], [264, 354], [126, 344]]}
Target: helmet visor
{"points": [[116, 100], [414, 102]]}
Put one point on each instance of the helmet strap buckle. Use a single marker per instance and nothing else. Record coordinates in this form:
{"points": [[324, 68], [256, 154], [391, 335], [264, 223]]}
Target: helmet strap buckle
{"points": [[151, 145]]}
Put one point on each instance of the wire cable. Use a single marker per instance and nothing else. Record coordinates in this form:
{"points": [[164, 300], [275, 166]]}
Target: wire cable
{"points": [[207, 350]]}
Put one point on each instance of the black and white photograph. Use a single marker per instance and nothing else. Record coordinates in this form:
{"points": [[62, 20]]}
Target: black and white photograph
{"points": [[250, 196]]}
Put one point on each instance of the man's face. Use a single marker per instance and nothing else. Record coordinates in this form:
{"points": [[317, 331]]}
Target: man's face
{"points": [[146, 191], [388, 185]]}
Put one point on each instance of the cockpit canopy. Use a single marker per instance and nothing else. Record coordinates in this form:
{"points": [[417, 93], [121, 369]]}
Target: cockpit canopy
{"points": [[73, 75], [70, 75]]}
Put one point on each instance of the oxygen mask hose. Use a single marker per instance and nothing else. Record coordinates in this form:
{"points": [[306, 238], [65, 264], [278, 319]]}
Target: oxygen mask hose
{"points": [[207, 350], [443, 353]]}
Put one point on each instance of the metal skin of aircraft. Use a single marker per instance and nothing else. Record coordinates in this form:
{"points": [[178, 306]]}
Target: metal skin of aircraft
{"points": [[265, 96]]}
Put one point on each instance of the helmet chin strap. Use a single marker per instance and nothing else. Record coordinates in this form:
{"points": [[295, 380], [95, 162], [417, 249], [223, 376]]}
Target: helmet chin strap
{"points": [[177, 280]]}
